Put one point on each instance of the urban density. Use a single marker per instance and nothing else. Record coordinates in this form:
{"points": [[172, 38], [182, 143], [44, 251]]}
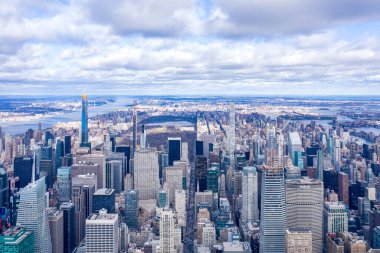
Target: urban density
{"points": [[172, 175]]}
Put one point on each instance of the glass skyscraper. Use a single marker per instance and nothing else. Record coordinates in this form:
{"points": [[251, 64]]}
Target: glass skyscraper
{"points": [[84, 132], [32, 215]]}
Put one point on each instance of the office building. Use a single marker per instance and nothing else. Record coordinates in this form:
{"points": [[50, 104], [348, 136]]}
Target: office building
{"points": [[92, 159], [208, 235], [102, 233], [304, 207], [201, 165], [167, 242], [103, 198], [114, 175], [78, 198], [4, 188], [132, 209], [162, 198], [213, 179], [272, 216], [343, 192], [175, 150], [68, 226], [335, 218], [55, 218], [88, 184], [173, 182], [17, 240], [64, 184], [180, 206], [295, 145], [250, 206], [146, 173], [22, 168], [299, 239], [32, 215], [67, 144]]}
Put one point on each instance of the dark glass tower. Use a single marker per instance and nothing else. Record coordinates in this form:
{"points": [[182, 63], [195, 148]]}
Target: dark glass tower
{"points": [[132, 208], [23, 170], [84, 133], [67, 144], [174, 150], [68, 227]]}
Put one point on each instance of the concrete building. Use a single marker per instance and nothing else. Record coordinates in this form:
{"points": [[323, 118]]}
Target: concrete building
{"points": [[304, 207], [102, 233], [55, 218], [250, 206], [299, 239], [146, 173], [208, 235], [167, 242], [180, 206]]}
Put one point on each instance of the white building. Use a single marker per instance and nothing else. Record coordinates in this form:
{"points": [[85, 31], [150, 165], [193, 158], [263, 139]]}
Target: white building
{"points": [[146, 177], [208, 235], [167, 242], [298, 239], [250, 206], [173, 181], [102, 233], [295, 144], [180, 206], [33, 216]]}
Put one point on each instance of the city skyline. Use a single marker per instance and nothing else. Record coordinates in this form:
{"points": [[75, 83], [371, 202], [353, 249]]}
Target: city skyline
{"points": [[205, 47]]}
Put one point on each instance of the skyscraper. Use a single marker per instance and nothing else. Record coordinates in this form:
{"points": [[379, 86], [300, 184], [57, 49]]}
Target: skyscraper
{"points": [[175, 148], [180, 206], [64, 184], [146, 169], [88, 185], [335, 218], [295, 145], [102, 233], [32, 215], [67, 144], [55, 218], [4, 188], [68, 227], [212, 179], [272, 226], [167, 232], [78, 197], [134, 132], [250, 205], [23, 169], [231, 130], [304, 207], [84, 127], [132, 208], [103, 198]]}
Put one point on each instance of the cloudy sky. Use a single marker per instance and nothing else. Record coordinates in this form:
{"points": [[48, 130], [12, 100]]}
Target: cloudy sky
{"points": [[187, 47]]}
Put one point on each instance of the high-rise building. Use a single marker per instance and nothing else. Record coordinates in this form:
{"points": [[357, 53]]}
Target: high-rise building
{"points": [[17, 240], [299, 239], [201, 172], [143, 138], [67, 144], [64, 184], [4, 188], [146, 170], [304, 207], [88, 184], [114, 175], [335, 218], [132, 208], [180, 206], [22, 168], [208, 235], [295, 145], [231, 130], [134, 131], [167, 241], [343, 187], [212, 179], [84, 126], [175, 150], [103, 198], [68, 226], [32, 215], [173, 181], [78, 197], [102, 233], [272, 216], [84, 168], [250, 206], [55, 218]]}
